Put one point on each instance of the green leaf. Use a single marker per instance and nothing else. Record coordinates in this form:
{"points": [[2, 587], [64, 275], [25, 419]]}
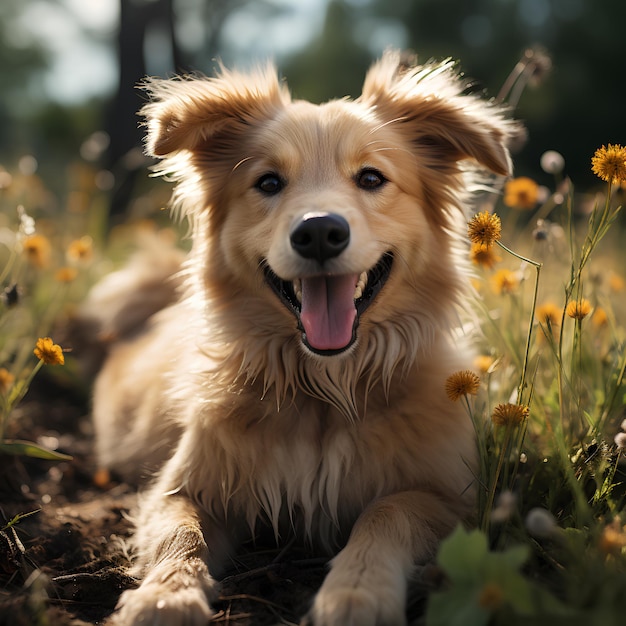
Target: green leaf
{"points": [[509, 559], [456, 607], [18, 447], [18, 518], [462, 554]]}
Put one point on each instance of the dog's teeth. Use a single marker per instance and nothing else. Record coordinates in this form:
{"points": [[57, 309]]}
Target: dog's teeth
{"points": [[360, 286], [297, 289]]}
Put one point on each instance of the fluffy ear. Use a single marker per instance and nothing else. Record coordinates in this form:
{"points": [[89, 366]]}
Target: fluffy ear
{"points": [[446, 124], [185, 112]]}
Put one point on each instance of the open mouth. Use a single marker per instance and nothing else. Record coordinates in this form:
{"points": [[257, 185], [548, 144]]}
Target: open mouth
{"points": [[328, 307]]}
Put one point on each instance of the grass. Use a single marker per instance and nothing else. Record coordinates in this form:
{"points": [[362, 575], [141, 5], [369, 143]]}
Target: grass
{"points": [[549, 540]]}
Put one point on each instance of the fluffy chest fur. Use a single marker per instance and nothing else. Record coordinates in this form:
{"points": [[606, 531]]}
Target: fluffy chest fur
{"points": [[304, 461]]}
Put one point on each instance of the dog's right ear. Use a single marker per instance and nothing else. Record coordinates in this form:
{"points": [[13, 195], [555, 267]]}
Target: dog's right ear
{"points": [[185, 112], [446, 124]]}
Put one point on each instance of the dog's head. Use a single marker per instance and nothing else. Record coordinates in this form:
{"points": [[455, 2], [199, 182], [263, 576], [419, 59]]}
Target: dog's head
{"points": [[342, 216]]}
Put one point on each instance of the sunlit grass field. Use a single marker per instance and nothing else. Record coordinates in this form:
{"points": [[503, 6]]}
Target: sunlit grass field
{"points": [[546, 393], [550, 536]]}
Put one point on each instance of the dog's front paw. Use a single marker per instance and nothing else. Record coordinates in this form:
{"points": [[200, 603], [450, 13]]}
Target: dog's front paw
{"points": [[155, 605], [356, 606]]}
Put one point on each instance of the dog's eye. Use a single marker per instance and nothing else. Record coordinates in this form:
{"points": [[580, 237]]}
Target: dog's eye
{"points": [[370, 179], [269, 184]]}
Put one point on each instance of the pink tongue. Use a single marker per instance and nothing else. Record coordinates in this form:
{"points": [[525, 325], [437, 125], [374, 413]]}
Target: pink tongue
{"points": [[328, 310]]}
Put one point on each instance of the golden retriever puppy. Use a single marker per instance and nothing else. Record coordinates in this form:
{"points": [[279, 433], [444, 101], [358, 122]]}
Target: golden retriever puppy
{"points": [[298, 382]]}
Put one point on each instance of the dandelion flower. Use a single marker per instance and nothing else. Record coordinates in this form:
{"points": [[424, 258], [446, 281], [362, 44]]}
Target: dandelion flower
{"points": [[80, 250], [484, 228], [102, 478], [616, 283], [613, 539], [540, 523], [484, 363], [504, 281], [462, 383], [549, 314], [36, 248], [521, 193], [599, 318], [65, 274], [578, 309], [552, 162], [609, 163], [49, 352], [6, 380], [484, 255], [505, 414], [506, 505]]}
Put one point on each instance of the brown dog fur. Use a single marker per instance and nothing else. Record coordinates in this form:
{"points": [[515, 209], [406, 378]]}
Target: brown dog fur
{"points": [[355, 447]]}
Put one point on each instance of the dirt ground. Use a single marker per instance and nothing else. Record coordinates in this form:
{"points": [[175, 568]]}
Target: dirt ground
{"points": [[66, 564]]}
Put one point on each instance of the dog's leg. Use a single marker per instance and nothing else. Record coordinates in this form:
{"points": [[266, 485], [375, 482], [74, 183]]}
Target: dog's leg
{"points": [[367, 583], [172, 550]]}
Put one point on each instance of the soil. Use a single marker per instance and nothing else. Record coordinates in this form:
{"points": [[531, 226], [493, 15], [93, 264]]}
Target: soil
{"points": [[66, 563]]}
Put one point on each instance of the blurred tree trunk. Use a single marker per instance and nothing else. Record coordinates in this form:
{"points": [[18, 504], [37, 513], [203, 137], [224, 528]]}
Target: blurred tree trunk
{"points": [[124, 152], [138, 18]]}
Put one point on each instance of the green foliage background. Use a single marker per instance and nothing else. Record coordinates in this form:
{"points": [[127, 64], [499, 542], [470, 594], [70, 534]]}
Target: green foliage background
{"points": [[578, 106]]}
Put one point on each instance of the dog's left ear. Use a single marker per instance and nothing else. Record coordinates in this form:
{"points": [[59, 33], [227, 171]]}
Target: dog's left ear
{"points": [[445, 124]]}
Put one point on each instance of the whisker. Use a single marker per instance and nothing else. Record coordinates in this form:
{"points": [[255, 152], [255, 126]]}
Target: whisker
{"points": [[388, 123], [244, 160]]}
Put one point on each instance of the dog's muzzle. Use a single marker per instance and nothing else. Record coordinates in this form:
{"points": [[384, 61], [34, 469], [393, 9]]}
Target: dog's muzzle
{"points": [[328, 307]]}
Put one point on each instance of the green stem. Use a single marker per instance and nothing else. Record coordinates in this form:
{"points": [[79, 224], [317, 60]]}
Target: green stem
{"points": [[15, 400], [504, 451], [537, 267]]}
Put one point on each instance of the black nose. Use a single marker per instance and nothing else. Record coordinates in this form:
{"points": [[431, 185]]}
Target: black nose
{"points": [[320, 236]]}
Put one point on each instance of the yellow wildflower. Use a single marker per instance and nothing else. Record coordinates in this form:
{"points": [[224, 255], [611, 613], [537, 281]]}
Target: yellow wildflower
{"points": [[616, 282], [578, 309], [521, 193], [504, 281], [80, 250], [37, 250], [609, 163], [6, 380], [49, 352], [507, 413], [484, 255], [613, 538], [484, 363], [65, 274], [102, 478], [484, 228], [599, 318], [476, 284], [463, 383], [549, 314]]}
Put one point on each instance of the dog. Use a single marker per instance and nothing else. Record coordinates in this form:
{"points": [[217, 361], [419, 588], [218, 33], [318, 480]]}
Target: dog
{"points": [[297, 380]]}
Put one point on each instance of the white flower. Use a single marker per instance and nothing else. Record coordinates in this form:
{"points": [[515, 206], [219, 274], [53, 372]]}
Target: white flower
{"points": [[540, 523], [620, 440], [505, 507], [552, 162]]}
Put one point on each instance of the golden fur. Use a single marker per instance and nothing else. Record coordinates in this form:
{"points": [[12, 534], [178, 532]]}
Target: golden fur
{"points": [[354, 447]]}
